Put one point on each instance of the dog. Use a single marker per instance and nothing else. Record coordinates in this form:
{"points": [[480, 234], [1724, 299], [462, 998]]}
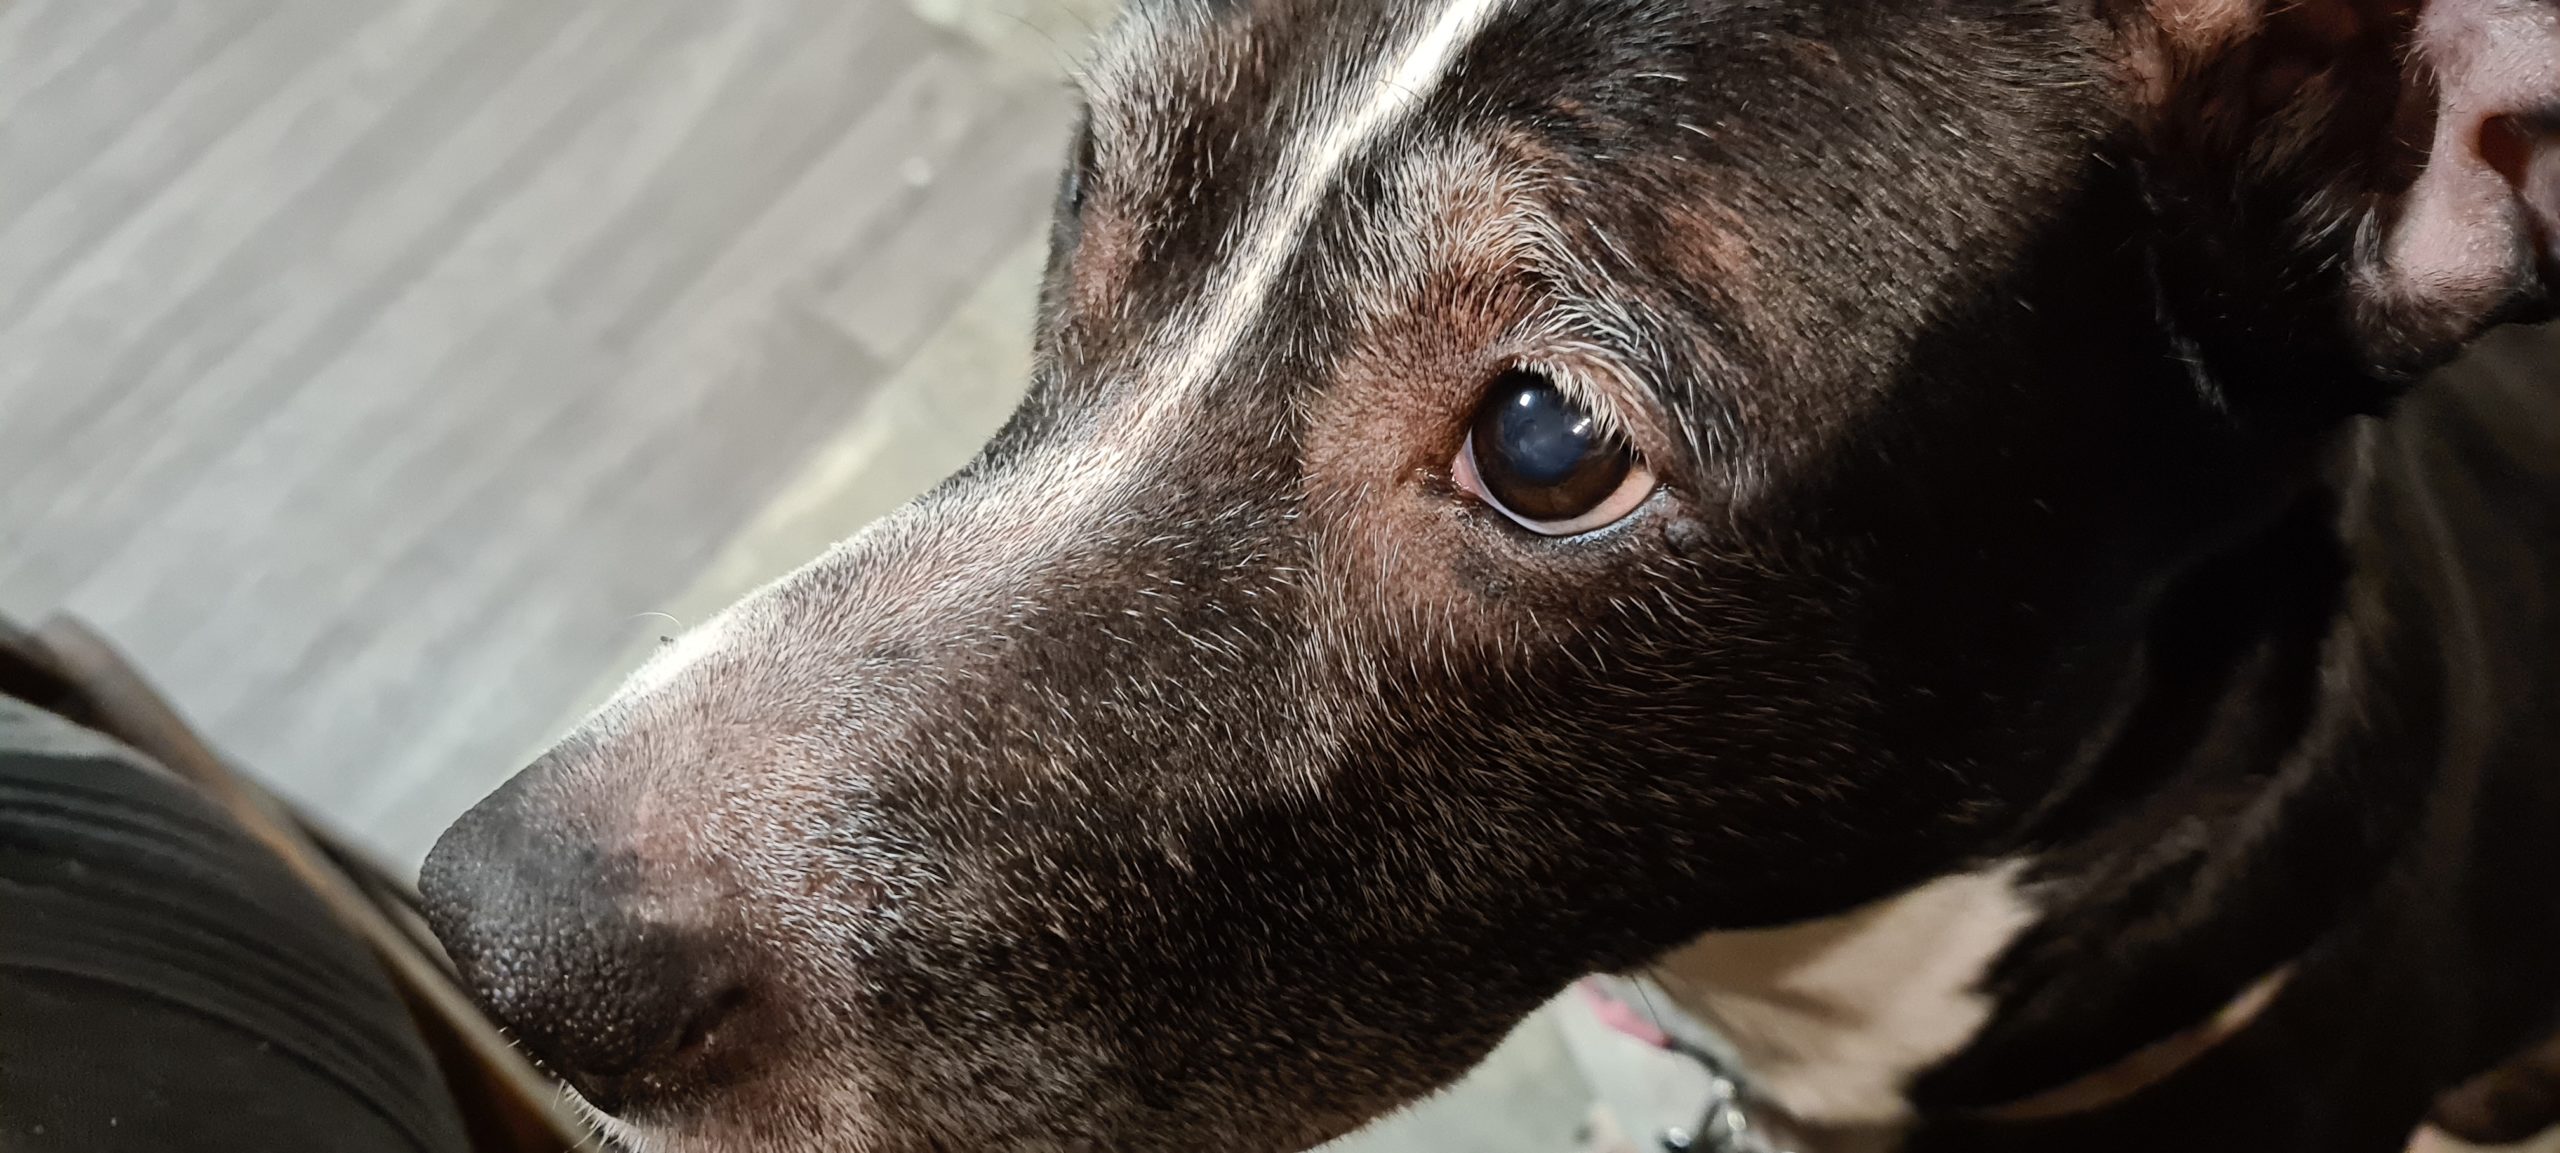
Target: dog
{"points": [[1915, 523]]}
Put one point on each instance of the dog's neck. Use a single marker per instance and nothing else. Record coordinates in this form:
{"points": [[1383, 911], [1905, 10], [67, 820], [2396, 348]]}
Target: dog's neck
{"points": [[2163, 883], [1837, 1015], [1833, 1017]]}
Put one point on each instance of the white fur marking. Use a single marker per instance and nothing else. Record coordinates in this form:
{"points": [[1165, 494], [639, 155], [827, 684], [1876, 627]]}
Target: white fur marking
{"points": [[1833, 1017], [1311, 167], [1185, 356]]}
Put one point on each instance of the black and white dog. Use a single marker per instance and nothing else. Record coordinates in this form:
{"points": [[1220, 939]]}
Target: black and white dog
{"points": [[1909, 520]]}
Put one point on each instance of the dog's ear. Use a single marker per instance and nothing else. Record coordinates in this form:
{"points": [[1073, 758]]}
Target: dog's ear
{"points": [[2399, 157]]}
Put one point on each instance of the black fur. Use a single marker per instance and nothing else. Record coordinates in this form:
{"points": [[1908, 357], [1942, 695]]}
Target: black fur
{"points": [[2021, 499]]}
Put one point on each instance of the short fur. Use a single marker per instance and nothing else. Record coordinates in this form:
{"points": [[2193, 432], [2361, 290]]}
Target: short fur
{"points": [[1201, 768]]}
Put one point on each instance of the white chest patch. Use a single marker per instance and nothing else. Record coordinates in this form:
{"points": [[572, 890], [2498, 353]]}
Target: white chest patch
{"points": [[1833, 1017]]}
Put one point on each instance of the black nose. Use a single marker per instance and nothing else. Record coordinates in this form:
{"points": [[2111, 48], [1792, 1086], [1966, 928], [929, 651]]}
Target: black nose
{"points": [[544, 929]]}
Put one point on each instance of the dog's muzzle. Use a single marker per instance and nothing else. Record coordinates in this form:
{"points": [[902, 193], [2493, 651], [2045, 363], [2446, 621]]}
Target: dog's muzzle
{"points": [[612, 986]]}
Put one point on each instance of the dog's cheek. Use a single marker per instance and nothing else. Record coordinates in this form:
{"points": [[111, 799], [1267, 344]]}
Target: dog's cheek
{"points": [[1404, 563], [1096, 279]]}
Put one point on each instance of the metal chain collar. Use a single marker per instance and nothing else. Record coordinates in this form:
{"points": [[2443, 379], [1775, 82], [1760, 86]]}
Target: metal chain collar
{"points": [[1724, 1124]]}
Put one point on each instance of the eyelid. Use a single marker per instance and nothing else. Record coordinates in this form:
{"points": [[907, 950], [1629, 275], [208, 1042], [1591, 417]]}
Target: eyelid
{"points": [[1640, 484], [1080, 166], [1578, 386]]}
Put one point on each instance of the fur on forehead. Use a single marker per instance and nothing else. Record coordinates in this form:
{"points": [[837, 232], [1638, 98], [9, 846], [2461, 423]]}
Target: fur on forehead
{"points": [[1610, 153], [1165, 62], [1469, 244]]}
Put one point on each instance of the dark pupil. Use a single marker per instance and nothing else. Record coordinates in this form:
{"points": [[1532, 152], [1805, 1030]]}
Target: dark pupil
{"points": [[1540, 454]]}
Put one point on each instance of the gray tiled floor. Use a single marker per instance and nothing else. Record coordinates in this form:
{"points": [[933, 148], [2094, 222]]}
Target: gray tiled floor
{"points": [[369, 368]]}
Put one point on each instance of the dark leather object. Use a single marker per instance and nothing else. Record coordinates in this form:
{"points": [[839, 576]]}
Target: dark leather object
{"points": [[187, 964], [166, 985]]}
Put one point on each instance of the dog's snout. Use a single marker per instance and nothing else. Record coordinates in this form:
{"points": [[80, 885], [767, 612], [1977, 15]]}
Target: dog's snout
{"points": [[596, 977]]}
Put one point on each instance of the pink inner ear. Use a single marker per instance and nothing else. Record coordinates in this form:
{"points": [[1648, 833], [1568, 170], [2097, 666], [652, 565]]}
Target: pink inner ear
{"points": [[2469, 234]]}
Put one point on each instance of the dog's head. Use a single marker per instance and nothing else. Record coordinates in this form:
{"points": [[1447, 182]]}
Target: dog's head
{"points": [[1510, 485]]}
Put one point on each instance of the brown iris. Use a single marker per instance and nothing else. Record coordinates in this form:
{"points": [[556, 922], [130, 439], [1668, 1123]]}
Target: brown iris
{"points": [[1540, 455]]}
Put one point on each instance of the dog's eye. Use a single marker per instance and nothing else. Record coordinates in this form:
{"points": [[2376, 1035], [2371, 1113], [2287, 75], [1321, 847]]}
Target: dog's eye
{"points": [[1546, 462], [1072, 182]]}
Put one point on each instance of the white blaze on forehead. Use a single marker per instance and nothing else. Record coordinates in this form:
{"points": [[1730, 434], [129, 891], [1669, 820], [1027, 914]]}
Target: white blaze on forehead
{"points": [[1370, 106], [1057, 489], [1043, 505]]}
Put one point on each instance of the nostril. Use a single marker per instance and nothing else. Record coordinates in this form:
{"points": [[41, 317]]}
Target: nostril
{"points": [[698, 1033], [680, 1061], [574, 949], [620, 1012]]}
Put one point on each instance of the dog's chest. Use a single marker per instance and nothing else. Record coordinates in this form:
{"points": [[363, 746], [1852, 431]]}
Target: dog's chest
{"points": [[1833, 1017]]}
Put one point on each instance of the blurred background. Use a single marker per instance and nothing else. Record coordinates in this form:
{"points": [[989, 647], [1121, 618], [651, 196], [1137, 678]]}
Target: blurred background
{"points": [[388, 377]]}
